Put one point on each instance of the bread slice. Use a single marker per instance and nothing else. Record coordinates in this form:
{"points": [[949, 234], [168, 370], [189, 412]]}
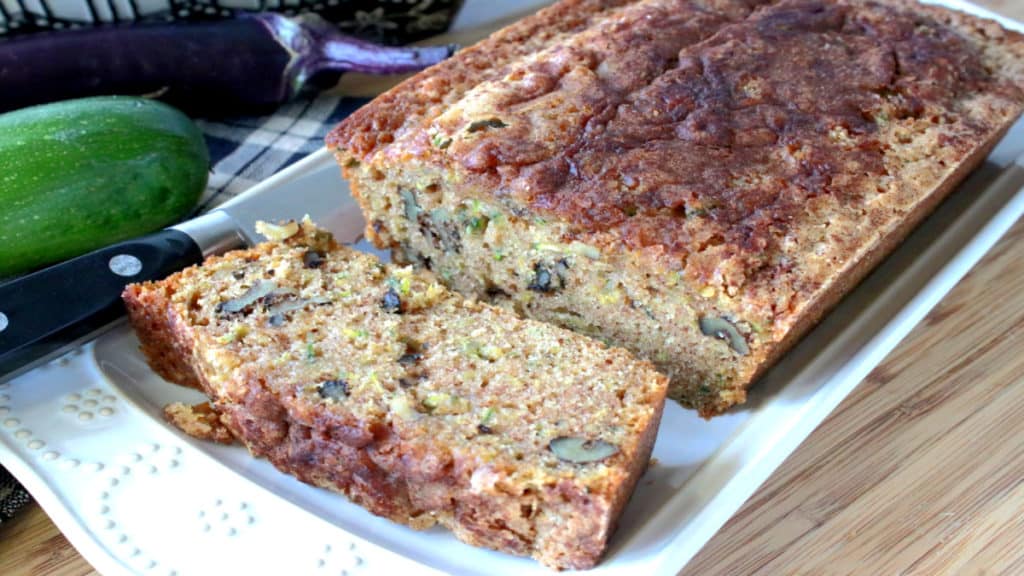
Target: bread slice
{"points": [[377, 382], [698, 181]]}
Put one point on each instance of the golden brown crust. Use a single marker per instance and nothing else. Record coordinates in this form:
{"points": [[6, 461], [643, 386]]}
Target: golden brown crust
{"points": [[713, 156], [847, 280], [769, 153], [163, 342], [415, 100]]}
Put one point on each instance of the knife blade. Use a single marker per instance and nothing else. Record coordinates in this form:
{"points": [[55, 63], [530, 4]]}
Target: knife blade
{"points": [[47, 312]]}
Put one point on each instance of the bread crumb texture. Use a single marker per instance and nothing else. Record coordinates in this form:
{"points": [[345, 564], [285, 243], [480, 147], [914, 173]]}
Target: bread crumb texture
{"points": [[376, 381], [199, 421]]}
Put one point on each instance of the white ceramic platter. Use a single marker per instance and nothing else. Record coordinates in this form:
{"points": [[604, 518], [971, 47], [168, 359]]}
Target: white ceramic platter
{"points": [[135, 496]]}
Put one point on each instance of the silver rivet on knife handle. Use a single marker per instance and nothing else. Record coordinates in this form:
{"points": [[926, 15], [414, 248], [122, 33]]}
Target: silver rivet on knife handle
{"points": [[125, 265], [214, 232]]}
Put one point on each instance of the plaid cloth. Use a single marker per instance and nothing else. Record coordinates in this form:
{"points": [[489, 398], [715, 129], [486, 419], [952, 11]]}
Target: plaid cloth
{"points": [[243, 151], [12, 496]]}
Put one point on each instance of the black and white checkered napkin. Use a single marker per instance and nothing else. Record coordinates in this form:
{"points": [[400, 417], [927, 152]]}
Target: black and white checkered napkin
{"points": [[12, 496], [243, 152]]}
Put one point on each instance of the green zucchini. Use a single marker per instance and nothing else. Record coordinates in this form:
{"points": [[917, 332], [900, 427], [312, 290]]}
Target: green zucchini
{"points": [[81, 174]]}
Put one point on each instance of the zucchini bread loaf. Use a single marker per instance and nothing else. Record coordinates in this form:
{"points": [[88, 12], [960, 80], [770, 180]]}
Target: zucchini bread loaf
{"points": [[695, 180], [377, 382]]}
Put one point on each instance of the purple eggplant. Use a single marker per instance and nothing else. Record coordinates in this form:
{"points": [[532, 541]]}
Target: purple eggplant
{"points": [[249, 64]]}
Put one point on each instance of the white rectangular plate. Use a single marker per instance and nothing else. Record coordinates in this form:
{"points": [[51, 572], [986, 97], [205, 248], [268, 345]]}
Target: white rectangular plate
{"points": [[134, 495]]}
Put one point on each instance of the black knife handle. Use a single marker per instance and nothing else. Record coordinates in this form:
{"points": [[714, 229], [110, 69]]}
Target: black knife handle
{"points": [[52, 308]]}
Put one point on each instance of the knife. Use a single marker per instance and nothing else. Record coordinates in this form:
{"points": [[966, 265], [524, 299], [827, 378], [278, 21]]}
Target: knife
{"points": [[45, 313]]}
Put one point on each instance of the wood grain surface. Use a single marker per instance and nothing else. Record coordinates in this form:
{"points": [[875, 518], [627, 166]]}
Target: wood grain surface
{"points": [[919, 471]]}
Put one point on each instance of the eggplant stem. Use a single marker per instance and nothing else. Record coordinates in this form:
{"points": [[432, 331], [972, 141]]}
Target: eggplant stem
{"points": [[261, 60], [314, 45], [343, 54]]}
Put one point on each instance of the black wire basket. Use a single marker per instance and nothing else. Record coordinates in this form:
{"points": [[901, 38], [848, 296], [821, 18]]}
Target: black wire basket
{"points": [[385, 21]]}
